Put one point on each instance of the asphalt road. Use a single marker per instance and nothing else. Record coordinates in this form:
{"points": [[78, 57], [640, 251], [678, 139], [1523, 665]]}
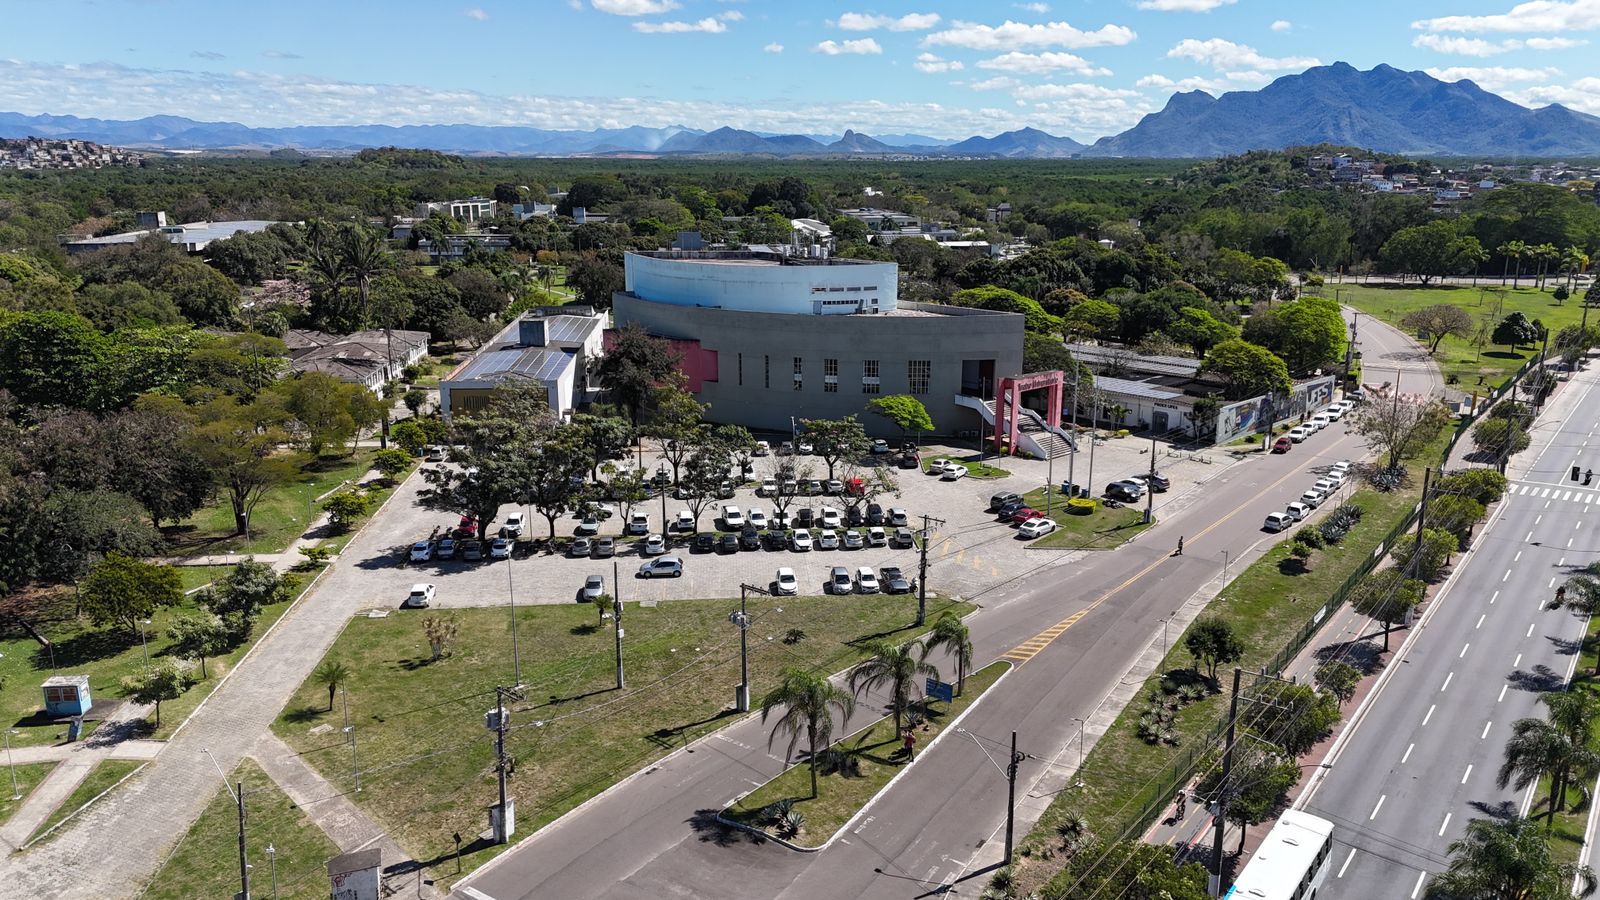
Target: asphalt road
{"points": [[1422, 762], [651, 837]]}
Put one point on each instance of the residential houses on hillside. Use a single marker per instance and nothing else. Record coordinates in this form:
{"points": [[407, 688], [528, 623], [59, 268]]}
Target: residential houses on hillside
{"points": [[45, 153]]}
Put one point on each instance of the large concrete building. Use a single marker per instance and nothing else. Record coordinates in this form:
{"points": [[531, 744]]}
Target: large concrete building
{"points": [[766, 338]]}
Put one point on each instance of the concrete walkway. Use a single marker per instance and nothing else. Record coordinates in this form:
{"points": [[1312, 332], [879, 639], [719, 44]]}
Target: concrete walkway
{"points": [[339, 818], [120, 842]]}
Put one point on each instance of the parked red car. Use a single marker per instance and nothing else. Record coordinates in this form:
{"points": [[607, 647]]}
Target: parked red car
{"points": [[1282, 445], [468, 527], [1024, 514]]}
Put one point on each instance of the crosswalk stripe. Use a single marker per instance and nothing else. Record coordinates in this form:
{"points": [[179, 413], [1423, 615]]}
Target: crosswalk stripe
{"points": [[1566, 495], [1544, 493]]}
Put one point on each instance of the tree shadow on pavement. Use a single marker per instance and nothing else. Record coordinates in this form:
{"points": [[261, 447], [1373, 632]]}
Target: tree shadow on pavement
{"points": [[1540, 679], [711, 830], [1364, 655], [1503, 811], [667, 738]]}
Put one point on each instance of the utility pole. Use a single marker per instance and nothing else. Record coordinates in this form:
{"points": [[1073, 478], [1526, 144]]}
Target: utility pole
{"points": [[922, 567], [355, 768], [516, 655], [1150, 489], [1222, 791], [499, 719], [741, 620], [1072, 419], [244, 867], [616, 617], [1422, 516], [1011, 793]]}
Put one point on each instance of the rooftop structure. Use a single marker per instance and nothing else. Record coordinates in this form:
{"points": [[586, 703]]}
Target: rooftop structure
{"points": [[552, 346], [192, 237], [472, 209], [361, 358], [763, 282]]}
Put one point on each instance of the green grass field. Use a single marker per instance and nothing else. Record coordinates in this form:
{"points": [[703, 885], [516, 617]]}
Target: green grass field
{"points": [[200, 576], [1267, 604], [427, 760], [21, 779], [975, 468], [206, 861], [1102, 529], [281, 516], [101, 778], [1566, 838], [877, 751], [1488, 303]]}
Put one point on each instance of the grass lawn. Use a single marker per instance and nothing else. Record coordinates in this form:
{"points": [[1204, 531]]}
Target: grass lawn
{"points": [[1267, 604], [435, 368], [206, 862], [1566, 839], [427, 760], [1103, 529], [103, 654], [200, 576], [100, 779], [26, 778], [875, 749], [281, 516], [1458, 358]]}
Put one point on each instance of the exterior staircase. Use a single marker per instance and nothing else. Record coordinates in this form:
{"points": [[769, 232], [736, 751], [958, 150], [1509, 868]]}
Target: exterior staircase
{"points": [[1034, 434]]}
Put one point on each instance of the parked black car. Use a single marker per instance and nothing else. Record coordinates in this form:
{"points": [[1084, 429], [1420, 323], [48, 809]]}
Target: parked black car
{"points": [[774, 540], [805, 518], [703, 543], [727, 544], [998, 501], [854, 517], [750, 539], [1011, 506], [894, 581], [874, 514]]}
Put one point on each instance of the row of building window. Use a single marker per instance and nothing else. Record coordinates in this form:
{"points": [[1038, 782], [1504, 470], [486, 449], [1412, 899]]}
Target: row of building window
{"points": [[919, 374]]}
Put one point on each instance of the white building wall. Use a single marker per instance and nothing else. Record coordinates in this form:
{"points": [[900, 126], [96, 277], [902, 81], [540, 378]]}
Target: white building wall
{"points": [[733, 285]]}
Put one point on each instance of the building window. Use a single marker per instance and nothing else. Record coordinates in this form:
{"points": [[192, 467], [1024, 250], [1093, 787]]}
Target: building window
{"points": [[869, 376], [830, 376], [799, 372], [918, 373], [766, 372], [741, 369]]}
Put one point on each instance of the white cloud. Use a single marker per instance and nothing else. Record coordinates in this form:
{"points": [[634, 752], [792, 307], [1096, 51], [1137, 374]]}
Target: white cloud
{"points": [[1040, 8], [867, 22], [933, 65], [1282, 25], [997, 83], [1226, 56], [1194, 83], [773, 47], [1020, 35], [1471, 46], [1183, 5], [1582, 95], [1042, 64], [1493, 78], [1538, 15], [634, 7], [1078, 91], [861, 47], [476, 13], [708, 25]]}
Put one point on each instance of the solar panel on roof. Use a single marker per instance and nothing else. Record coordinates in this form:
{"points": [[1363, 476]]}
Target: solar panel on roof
{"points": [[538, 364]]}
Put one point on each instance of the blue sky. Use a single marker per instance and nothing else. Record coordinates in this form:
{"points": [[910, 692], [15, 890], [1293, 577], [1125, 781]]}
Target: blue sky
{"points": [[1083, 68]]}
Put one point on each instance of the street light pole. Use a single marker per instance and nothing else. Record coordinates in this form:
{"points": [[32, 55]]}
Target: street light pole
{"points": [[516, 654], [741, 620], [238, 797], [15, 794], [143, 642], [1011, 793], [272, 855], [1150, 489]]}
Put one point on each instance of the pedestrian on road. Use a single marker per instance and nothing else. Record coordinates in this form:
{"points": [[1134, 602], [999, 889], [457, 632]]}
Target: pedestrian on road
{"points": [[1180, 546], [1182, 800], [910, 744]]}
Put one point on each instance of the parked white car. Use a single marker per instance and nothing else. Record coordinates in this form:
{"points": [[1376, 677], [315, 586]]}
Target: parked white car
{"points": [[1300, 433], [421, 596], [1036, 528], [732, 517], [757, 518], [785, 584], [1325, 486], [1277, 521], [866, 581], [953, 472], [827, 539], [514, 524], [800, 541], [1297, 511], [1313, 498], [654, 545], [685, 521], [422, 551], [666, 566], [768, 488], [638, 523], [831, 519]]}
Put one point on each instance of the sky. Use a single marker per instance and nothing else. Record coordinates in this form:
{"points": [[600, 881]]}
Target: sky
{"points": [[1080, 68]]}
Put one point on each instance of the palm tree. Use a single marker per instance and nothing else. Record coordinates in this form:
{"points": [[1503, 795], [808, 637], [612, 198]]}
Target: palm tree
{"points": [[809, 702], [1574, 260], [1512, 250], [892, 666], [1545, 254], [951, 633], [1509, 860], [1582, 595], [332, 674], [1559, 748], [602, 605], [1477, 255], [363, 254]]}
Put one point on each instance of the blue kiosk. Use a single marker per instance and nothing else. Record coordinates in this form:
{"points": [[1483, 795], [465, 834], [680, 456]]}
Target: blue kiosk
{"points": [[67, 696]]}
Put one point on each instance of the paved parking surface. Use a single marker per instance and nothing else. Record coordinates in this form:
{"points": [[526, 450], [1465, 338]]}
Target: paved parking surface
{"points": [[970, 555]]}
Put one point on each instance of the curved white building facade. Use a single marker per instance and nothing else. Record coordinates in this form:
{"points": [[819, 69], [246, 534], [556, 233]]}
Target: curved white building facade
{"points": [[764, 283]]}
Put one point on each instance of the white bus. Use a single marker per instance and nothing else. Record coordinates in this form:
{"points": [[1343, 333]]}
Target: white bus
{"points": [[1291, 863]]}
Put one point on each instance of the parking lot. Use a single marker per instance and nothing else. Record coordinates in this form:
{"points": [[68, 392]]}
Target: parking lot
{"points": [[971, 555]]}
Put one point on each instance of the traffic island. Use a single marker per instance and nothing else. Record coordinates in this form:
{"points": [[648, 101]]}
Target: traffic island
{"points": [[1085, 523], [850, 774]]}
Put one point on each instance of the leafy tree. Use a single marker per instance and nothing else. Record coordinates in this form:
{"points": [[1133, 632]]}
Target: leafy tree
{"points": [[346, 508], [126, 304], [809, 702], [996, 298], [1092, 319], [834, 440], [894, 667], [1203, 416], [1435, 323], [409, 436], [1455, 515], [164, 681], [244, 455], [121, 590], [54, 358], [1293, 716], [1199, 330], [596, 276], [1400, 429], [906, 412], [1483, 485], [488, 452], [950, 633], [1338, 678], [605, 437], [1431, 250], [238, 598], [198, 634], [1212, 642], [148, 451], [481, 294], [1307, 332], [549, 473], [1387, 595], [634, 365], [1515, 331], [627, 486], [1129, 870], [703, 474], [414, 398], [326, 411], [1510, 859], [1427, 561], [1256, 789], [1559, 749], [440, 633], [1247, 369], [331, 674], [602, 605], [677, 420], [1500, 438], [391, 463]]}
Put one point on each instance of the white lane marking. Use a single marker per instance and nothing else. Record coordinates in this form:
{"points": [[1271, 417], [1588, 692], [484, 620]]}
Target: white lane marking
{"points": [[1537, 519], [1494, 598], [1507, 575], [1409, 748], [1502, 697], [1569, 543], [1528, 538], [1530, 632], [1480, 621], [1551, 584], [1445, 825], [1486, 727], [1429, 715], [1467, 774], [1462, 654], [1518, 557], [1565, 496], [1346, 863], [1446, 686], [1378, 807], [1417, 891], [1547, 504], [474, 893], [1517, 662]]}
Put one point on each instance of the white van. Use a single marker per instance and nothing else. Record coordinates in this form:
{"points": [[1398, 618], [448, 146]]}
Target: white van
{"points": [[1277, 521]]}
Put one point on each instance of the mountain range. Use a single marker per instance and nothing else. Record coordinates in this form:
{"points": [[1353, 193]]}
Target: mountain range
{"points": [[1382, 109]]}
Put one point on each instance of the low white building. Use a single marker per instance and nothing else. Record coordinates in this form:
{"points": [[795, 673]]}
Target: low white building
{"points": [[551, 346]]}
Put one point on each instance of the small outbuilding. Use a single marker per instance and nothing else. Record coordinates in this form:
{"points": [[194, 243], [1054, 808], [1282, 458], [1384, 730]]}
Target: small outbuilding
{"points": [[67, 695]]}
